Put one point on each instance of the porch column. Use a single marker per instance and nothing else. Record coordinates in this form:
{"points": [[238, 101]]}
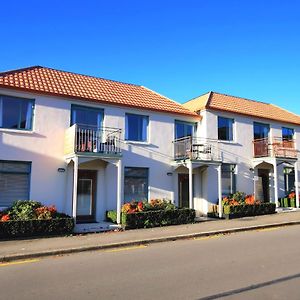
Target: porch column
{"points": [[191, 185], [276, 184], [296, 184], [220, 190], [119, 191], [75, 181]]}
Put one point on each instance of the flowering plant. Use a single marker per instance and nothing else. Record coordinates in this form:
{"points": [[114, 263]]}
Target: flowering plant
{"points": [[154, 204], [239, 198]]}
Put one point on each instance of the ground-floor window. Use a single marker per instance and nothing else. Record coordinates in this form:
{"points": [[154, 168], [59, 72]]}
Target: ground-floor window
{"points": [[228, 179], [14, 182], [289, 179], [136, 184]]}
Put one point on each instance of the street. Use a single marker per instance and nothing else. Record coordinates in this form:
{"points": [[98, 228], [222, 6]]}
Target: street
{"points": [[262, 264]]}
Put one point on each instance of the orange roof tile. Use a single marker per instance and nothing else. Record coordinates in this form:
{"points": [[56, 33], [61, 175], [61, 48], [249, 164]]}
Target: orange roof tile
{"points": [[222, 102], [43, 80]]}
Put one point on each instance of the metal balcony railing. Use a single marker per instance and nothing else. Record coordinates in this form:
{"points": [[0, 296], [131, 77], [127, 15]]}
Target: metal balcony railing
{"points": [[275, 147], [196, 149], [89, 139]]}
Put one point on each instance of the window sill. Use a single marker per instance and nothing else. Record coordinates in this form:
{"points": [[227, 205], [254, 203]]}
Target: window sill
{"points": [[137, 143], [227, 142], [20, 131]]}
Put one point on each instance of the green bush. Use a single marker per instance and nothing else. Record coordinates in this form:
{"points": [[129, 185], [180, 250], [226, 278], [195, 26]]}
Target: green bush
{"points": [[154, 218], [24, 210], [26, 228], [239, 211]]}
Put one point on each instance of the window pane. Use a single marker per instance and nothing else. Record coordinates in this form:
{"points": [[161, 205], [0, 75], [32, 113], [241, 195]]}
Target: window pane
{"points": [[16, 113], [183, 129], [225, 129], [136, 184], [136, 127], [261, 131], [287, 133], [228, 179], [14, 182], [289, 179], [87, 116]]}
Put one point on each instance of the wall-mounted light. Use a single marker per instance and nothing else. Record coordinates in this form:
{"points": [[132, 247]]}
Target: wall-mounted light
{"points": [[169, 174], [61, 170]]}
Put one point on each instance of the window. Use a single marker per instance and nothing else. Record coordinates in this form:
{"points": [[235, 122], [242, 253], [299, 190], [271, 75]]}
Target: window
{"points": [[260, 131], [228, 179], [16, 113], [14, 182], [136, 184], [183, 129], [287, 134], [225, 129], [289, 179], [86, 116], [136, 128]]}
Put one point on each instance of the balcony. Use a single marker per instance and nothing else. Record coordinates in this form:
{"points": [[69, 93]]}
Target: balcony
{"points": [[196, 149], [89, 140], [276, 147]]}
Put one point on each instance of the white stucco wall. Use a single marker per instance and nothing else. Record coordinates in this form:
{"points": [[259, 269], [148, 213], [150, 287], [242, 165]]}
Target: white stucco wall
{"points": [[45, 144]]}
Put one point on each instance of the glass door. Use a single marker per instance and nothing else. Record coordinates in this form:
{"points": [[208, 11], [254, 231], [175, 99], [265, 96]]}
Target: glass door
{"points": [[261, 139], [86, 191]]}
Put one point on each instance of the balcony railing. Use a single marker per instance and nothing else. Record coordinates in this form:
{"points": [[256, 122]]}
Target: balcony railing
{"points": [[276, 147], [89, 139], [196, 149]]}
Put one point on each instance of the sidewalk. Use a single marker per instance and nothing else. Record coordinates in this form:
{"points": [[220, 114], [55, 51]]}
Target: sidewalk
{"points": [[24, 249]]}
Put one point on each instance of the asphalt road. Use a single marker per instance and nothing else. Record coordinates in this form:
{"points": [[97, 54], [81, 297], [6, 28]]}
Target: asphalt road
{"points": [[261, 264]]}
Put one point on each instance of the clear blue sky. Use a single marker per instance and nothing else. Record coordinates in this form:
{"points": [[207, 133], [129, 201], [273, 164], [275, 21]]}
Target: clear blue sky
{"points": [[180, 49]]}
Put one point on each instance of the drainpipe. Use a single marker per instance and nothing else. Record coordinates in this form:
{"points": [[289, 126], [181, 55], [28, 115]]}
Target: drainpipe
{"points": [[296, 183], [119, 191], [75, 181], [191, 184], [276, 184], [220, 190]]}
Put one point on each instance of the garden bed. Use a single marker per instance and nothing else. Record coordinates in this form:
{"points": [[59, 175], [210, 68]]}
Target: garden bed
{"points": [[32, 228], [154, 214], [29, 218]]}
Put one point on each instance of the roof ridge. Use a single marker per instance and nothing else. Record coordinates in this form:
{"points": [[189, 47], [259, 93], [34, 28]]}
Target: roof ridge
{"points": [[257, 101], [290, 112], [69, 72], [19, 70]]}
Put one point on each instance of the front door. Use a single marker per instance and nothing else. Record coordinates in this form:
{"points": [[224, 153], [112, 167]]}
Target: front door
{"points": [[264, 179], [183, 190], [86, 196]]}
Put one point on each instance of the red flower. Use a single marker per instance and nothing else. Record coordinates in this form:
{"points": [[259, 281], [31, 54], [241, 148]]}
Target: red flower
{"points": [[5, 218]]}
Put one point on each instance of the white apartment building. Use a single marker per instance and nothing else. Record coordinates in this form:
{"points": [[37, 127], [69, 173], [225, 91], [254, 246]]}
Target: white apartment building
{"points": [[87, 145]]}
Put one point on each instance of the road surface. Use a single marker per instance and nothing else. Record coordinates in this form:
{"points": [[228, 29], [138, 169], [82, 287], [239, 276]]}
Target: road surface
{"points": [[263, 264]]}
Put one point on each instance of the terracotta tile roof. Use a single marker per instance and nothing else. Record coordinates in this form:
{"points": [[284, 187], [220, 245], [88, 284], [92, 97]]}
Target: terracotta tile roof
{"points": [[43, 80], [222, 102]]}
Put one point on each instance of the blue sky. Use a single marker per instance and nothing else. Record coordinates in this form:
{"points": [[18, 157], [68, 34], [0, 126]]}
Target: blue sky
{"points": [[180, 49]]}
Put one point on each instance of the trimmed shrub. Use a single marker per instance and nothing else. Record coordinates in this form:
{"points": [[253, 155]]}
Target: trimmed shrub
{"points": [[239, 211], [154, 218], [26, 228]]}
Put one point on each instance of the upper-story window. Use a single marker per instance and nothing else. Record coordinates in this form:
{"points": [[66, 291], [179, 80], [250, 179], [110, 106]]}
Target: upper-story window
{"points": [[225, 129], [86, 116], [183, 129], [136, 127], [16, 113], [287, 134], [261, 131]]}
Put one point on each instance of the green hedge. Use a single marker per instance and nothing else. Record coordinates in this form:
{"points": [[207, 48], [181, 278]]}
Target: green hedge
{"points": [[287, 202], [154, 218], [36, 227], [239, 211]]}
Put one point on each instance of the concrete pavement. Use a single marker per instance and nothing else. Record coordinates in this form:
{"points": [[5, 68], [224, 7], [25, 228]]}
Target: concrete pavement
{"points": [[30, 248], [261, 264]]}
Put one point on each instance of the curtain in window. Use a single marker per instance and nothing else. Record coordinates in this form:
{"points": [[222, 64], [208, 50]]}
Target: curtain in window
{"points": [[126, 128], [1, 112], [144, 128], [29, 114]]}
